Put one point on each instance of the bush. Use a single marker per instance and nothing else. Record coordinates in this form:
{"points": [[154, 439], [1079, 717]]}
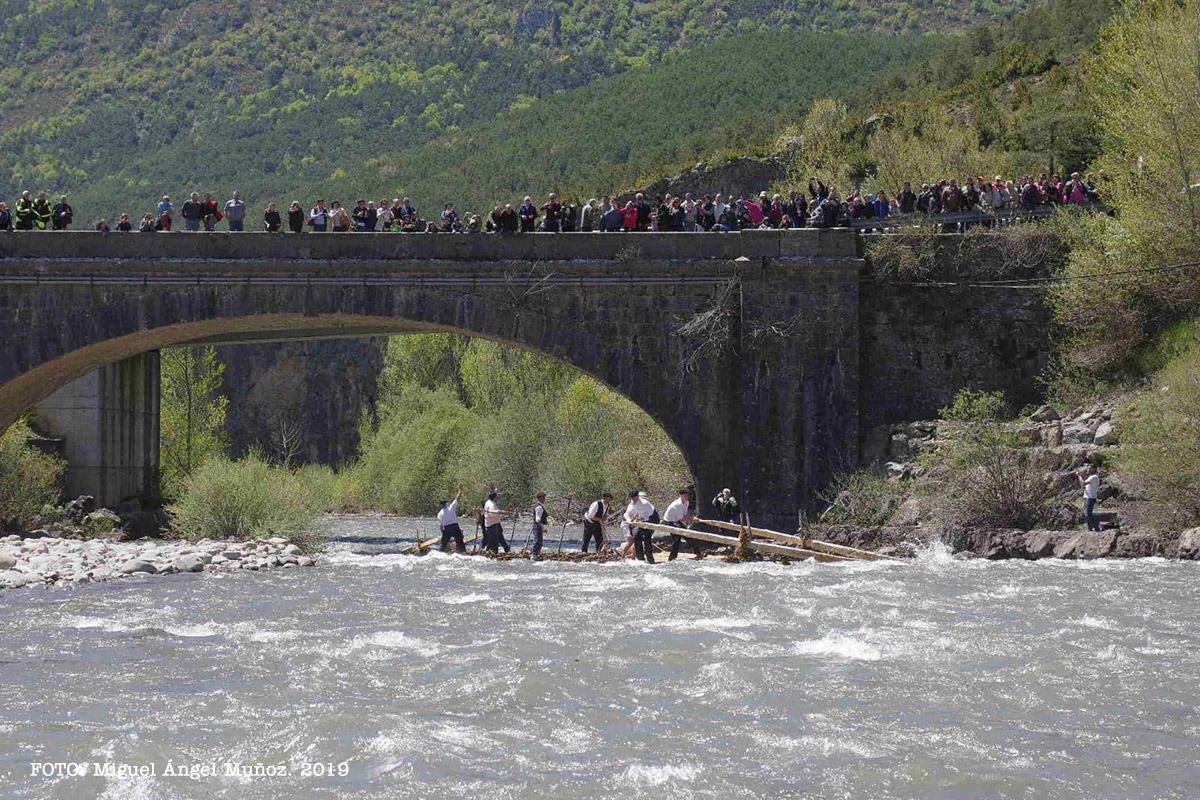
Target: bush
{"points": [[1159, 459], [29, 478], [318, 481], [862, 499], [246, 499], [982, 472], [903, 257]]}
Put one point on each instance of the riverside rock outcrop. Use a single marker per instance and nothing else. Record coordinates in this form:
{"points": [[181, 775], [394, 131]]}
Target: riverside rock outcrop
{"points": [[1060, 444]]}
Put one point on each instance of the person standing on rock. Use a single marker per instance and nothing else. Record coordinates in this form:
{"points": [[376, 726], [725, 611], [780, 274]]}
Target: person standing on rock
{"points": [[679, 513], [1089, 479], [493, 531], [448, 520], [725, 505], [593, 521]]}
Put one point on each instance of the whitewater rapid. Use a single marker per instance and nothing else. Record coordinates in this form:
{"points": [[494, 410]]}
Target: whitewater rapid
{"points": [[447, 677]]}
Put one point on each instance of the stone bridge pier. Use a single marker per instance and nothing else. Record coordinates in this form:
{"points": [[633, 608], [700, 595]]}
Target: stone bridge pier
{"points": [[769, 399]]}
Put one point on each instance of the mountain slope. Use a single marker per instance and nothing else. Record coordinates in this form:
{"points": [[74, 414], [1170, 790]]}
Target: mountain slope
{"points": [[118, 105]]}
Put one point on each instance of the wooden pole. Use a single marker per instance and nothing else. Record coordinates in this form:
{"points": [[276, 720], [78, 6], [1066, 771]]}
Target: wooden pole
{"points": [[805, 542], [566, 517]]}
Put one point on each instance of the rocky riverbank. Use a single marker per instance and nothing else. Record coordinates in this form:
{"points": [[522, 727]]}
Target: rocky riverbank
{"points": [[1059, 444], [52, 561]]}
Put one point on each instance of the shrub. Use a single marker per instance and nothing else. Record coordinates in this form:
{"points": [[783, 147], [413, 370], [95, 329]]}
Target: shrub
{"points": [[863, 499], [245, 499], [1159, 459], [349, 492], [29, 478], [318, 481], [1014, 251], [908, 256], [982, 472]]}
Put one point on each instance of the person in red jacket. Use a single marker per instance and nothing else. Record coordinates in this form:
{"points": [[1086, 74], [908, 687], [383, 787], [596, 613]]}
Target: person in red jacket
{"points": [[629, 216]]}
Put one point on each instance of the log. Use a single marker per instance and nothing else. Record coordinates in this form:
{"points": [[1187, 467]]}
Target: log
{"points": [[420, 547], [801, 541], [760, 547]]}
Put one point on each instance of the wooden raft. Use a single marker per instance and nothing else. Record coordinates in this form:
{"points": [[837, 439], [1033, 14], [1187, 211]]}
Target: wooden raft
{"points": [[760, 547], [804, 542]]}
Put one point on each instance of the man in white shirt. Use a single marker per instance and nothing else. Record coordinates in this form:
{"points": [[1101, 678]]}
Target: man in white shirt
{"points": [[640, 509], [679, 513], [1089, 479], [493, 533], [720, 207], [540, 520], [448, 519], [593, 521]]}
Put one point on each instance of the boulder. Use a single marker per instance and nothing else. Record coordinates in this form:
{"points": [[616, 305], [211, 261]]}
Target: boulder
{"points": [[1078, 434], [136, 565], [1045, 414], [292, 550], [219, 559], [1039, 544], [1189, 545], [277, 540], [233, 555], [1087, 545], [140, 523], [1142, 544], [192, 562], [1052, 435], [1106, 435], [306, 561], [102, 519], [80, 507], [899, 448], [11, 579], [7, 561]]}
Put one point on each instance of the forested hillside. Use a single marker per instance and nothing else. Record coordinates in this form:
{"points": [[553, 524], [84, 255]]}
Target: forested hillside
{"points": [[116, 104]]}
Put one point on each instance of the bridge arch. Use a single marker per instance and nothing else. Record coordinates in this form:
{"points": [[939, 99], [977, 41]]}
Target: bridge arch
{"points": [[774, 423]]}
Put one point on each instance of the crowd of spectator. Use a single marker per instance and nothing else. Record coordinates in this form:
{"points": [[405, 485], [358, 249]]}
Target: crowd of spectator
{"points": [[821, 206]]}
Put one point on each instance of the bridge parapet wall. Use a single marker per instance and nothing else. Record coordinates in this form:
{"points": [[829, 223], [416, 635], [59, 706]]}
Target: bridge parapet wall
{"points": [[32, 246]]}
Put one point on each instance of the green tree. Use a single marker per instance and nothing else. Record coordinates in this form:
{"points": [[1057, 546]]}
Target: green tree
{"points": [[29, 478], [1147, 87], [192, 425], [1159, 458]]}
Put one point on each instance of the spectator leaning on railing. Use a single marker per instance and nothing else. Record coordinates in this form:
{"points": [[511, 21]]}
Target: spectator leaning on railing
{"points": [[822, 206]]}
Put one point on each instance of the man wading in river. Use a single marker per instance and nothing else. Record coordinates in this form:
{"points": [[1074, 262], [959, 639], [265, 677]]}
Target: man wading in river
{"points": [[640, 509], [540, 519], [679, 514], [493, 533], [448, 519], [593, 521]]}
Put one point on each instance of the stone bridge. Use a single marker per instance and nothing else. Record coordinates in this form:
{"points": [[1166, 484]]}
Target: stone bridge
{"points": [[805, 358]]}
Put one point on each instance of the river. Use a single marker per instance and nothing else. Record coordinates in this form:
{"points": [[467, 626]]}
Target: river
{"points": [[452, 677]]}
